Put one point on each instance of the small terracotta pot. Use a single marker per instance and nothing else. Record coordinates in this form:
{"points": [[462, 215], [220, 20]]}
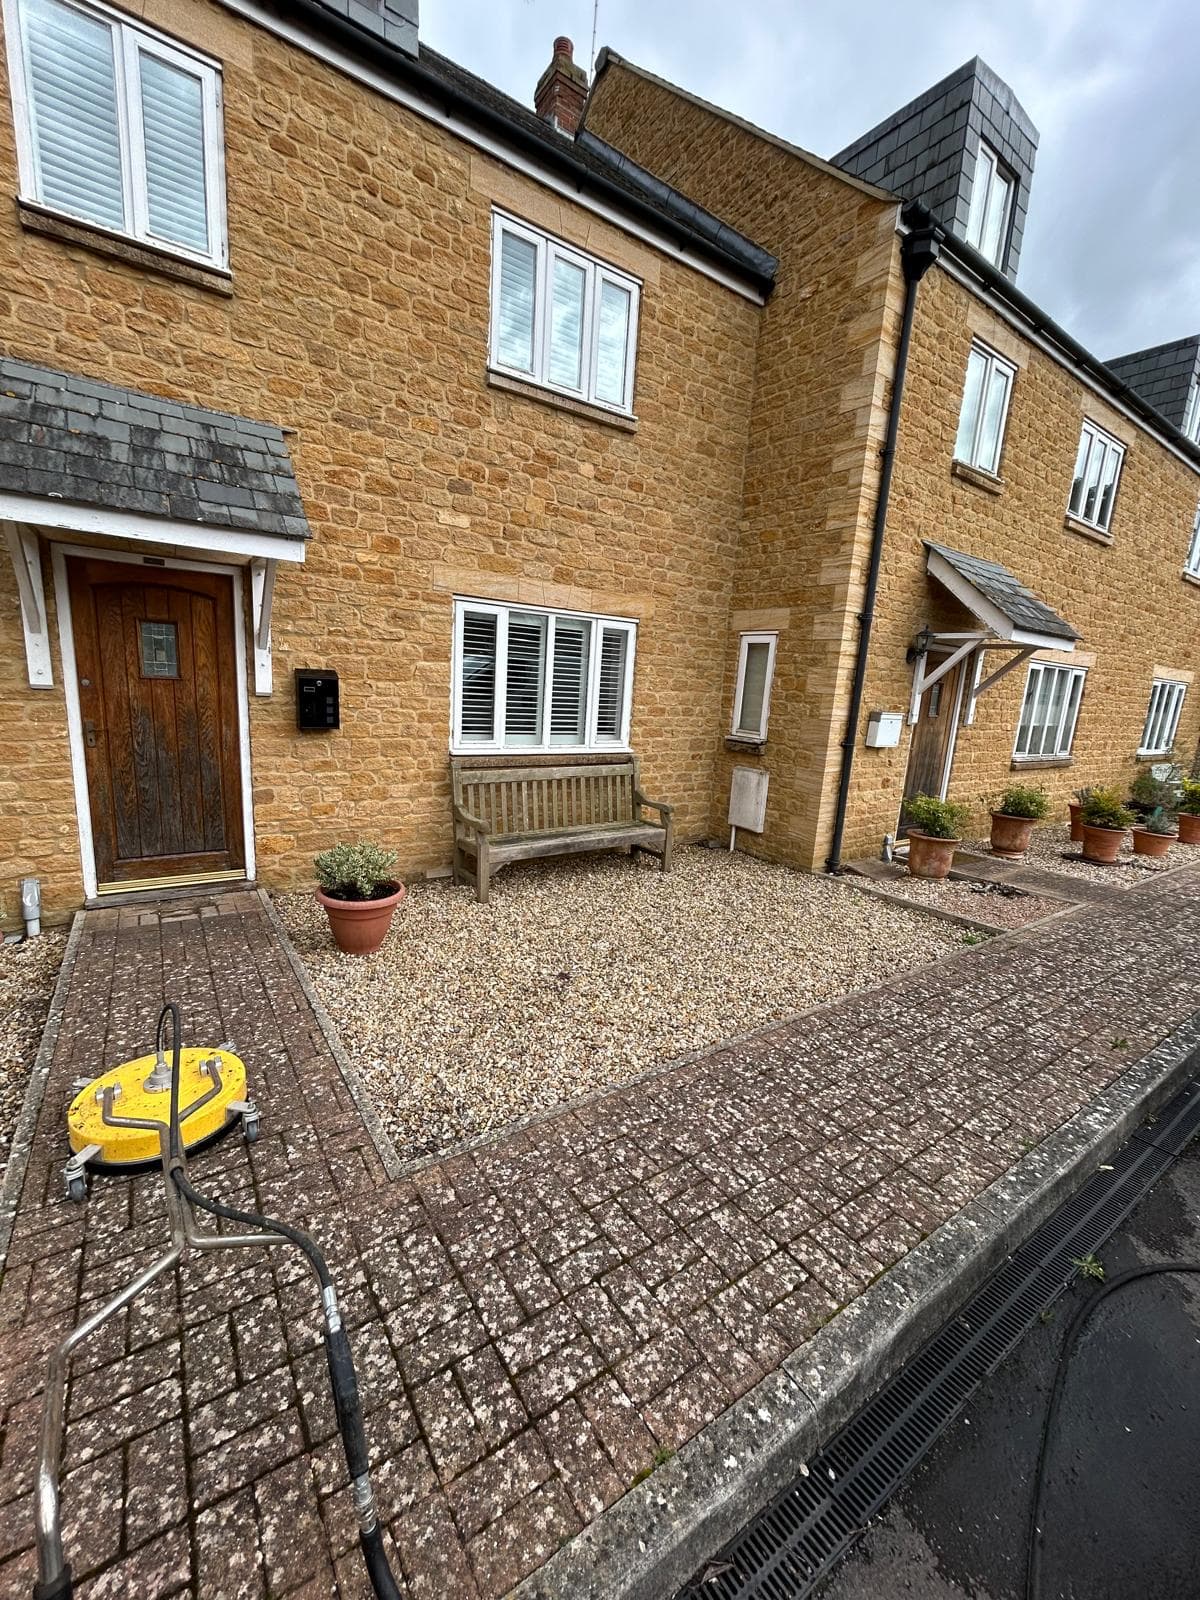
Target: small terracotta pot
{"points": [[1146, 843], [1011, 835], [1076, 822], [359, 927], [929, 857], [1102, 845], [1189, 828]]}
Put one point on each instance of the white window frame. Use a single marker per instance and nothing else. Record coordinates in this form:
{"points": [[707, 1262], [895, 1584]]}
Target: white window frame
{"points": [[993, 363], [1191, 415], [593, 742], [1064, 733], [989, 167], [1094, 437], [596, 274], [745, 640], [1192, 565], [130, 38], [1162, 716]]}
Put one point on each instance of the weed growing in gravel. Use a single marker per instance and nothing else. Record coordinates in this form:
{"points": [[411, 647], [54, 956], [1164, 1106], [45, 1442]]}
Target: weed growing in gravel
{"points": [[1120, 1044], [973, 938], [1089, 1266]]}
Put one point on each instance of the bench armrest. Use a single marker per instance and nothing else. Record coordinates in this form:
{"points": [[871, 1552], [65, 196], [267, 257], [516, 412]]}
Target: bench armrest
{"points": [[639, 800], [470, 822]]}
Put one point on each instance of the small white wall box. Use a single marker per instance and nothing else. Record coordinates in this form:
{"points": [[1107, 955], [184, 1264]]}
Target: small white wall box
{"points": [[748, 798], [883, 729]]}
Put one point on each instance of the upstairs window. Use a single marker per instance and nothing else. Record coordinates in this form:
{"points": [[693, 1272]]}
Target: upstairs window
{"points": [[1192, 565], [984, 409], [1162, 717], [560, 318], [540, 680], [1191, 416], [991, 206], [1049, 712], [1097, 472], [752, 696], [118, 127]]}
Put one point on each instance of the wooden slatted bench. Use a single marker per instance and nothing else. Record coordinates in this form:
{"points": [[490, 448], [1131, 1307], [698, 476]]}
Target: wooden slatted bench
{"points": [[504, 814]]}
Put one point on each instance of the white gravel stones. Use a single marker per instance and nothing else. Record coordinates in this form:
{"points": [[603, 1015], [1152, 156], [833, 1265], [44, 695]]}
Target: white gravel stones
{"points": [[583, 973], [983, 902], [27, 975], [1049, 844]]}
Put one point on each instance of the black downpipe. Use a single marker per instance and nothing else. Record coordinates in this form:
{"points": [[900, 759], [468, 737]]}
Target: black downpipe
{"points": [[919, 250]]}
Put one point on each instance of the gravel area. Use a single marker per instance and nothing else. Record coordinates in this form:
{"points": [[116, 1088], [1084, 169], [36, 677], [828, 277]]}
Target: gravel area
{"points": [[999, 904], [27, 975], [583, 973], [1051, 843]]}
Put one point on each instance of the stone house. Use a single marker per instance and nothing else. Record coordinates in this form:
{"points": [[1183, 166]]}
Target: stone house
{"points": [[352, 414]]}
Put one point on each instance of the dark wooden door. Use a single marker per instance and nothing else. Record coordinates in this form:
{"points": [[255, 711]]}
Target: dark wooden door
{"points": [[933, 736], [156, 659]]}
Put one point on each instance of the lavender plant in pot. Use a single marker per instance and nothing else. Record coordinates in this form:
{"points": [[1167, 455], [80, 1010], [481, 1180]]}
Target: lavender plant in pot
{"points": [[1153, 837], [934, 834], [1015, 814], [1188, 807], [1105, 823], [359, 894]]}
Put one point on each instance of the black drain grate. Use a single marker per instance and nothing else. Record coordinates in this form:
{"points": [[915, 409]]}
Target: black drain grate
{"points": [[793, 1544]]}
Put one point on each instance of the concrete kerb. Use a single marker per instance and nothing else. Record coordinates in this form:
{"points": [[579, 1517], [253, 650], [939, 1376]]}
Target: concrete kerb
{"points": [[35, 1090], [647, 1545]]}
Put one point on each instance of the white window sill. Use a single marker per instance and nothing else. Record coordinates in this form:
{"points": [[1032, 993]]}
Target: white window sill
{"points": [[978, 477], [1191, 577], [525, 387], [1086, 530], [512, 754], [123, 247]]}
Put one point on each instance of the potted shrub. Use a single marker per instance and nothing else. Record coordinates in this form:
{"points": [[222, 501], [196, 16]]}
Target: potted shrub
{"points": [[1105, 821], [359, 894], [934, 834], [1188, 806], [1076, 806], [1154, 836], [1148, 794], [1014, 815]]}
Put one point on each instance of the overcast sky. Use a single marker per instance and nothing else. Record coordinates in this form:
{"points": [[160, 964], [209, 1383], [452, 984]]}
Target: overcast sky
{"points": [[1112, 249]]}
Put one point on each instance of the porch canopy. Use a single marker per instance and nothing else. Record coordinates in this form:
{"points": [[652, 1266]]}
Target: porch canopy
{"points": [[1011, 618], [116, 465]]}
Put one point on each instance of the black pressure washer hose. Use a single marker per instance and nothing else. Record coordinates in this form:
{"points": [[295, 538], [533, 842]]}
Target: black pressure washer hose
{"points": [[342, 1377], [1033, 1556]]}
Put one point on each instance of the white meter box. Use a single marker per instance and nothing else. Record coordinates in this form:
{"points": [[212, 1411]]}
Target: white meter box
{"points": [[748, 798], [883, 729]]}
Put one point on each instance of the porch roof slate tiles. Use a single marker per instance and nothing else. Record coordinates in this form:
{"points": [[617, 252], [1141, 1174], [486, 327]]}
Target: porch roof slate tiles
{"points": [[1005, 591], [76, 439]]}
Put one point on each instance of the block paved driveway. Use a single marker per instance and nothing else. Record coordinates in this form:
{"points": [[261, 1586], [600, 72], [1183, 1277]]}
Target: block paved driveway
{"points": [[536, 1320]]}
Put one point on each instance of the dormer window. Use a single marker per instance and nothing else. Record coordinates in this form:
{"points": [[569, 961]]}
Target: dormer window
{"points": [[991, 206], [117, 126], [1191, 416]]}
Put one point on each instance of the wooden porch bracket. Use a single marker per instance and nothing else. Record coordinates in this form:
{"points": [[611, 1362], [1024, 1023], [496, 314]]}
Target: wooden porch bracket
{"points": [[27, 565], [262, 595]]}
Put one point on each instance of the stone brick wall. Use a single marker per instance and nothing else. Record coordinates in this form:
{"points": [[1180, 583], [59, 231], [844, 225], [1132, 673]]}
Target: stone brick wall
{"points": [[1138, 615], [360, 247]]}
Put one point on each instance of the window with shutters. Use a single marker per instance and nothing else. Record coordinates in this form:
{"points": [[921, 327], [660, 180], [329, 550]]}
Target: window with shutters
{"points": [[1097, 474], [984, 409], [752, 696], [1049, 712], [1162, 717], [560, 318], [526, 679], [118, 127]]}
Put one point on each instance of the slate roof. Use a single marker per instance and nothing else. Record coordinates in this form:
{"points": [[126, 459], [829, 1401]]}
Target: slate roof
{"points": [[71, 438], [1007, 593], [1162, 375]]}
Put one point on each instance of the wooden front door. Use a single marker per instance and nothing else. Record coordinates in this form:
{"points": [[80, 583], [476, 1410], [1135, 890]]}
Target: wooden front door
{"points": [[157, 669], [932, 745]]}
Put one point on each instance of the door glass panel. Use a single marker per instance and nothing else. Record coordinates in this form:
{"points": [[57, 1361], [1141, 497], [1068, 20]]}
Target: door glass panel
{"points": [[159, 649]]}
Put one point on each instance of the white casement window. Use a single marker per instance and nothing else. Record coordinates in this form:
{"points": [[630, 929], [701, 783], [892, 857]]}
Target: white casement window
{"points": [[1192, 564], [540, 680], [991, 206], [560, 318], [1049, 711], [984, 409], [1097, 472], [117, 126], [1162, 717], [752, 696], [1191, 416]]}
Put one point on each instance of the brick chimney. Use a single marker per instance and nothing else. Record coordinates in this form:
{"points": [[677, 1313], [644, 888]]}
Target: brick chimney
{"points": [[562, 89]]}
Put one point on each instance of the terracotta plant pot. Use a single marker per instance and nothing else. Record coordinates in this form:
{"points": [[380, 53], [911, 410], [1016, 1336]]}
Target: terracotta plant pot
{"points": [[1011, 835], [359, 927], [929, 857], [1146, 843], [1189, 828], [1102, 845], [1076, 822]]}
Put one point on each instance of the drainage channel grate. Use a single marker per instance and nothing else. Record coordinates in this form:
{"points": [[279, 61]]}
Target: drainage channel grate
{"points": [[794, 1543]]}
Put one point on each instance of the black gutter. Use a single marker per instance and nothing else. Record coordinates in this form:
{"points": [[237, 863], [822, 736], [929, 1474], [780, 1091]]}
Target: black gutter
{"points": [[548, 153], [918, 251]]}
